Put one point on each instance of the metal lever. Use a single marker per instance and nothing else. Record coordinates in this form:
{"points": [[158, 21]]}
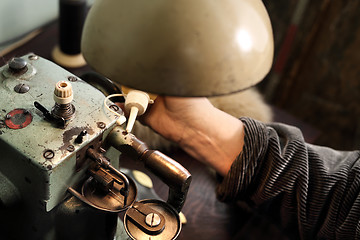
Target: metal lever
{"points": [[168, 170], [103, 162], [107, 188], [48, 116]]}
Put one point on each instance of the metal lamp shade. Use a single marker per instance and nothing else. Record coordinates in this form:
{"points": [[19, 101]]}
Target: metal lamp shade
{"points": [[180, 47]]}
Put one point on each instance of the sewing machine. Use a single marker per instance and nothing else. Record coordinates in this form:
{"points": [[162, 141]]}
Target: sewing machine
{"points": [[59, 166], [61, 141]]}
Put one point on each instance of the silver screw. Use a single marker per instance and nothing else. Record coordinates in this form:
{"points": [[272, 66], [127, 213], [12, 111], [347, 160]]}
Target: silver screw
{"points": [[72, 79], [21, 88], [17, 64], [152, 220]]}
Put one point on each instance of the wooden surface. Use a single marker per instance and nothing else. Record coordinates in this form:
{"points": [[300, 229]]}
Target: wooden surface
{"points": [[207, 217]]}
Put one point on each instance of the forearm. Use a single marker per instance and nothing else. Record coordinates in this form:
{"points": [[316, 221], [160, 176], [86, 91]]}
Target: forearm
{"points": [[313, 188], [203, 131], [216, 140]]}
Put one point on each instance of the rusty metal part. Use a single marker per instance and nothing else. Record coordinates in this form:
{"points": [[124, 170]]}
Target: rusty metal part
{"points": [[81, 156], [63, 111], [105, 163], [105, 179], [139, 217], [101, 125], [139, 213], [107, 188], [168, 170], [71, 148], [106, 191], [48, 116]]}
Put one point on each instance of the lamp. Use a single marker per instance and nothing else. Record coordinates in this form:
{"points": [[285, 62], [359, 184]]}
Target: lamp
{"points": [[180, 47]]}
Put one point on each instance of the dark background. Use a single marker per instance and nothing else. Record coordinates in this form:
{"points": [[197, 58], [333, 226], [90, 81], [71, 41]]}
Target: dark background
{"points": [[316, 75]]}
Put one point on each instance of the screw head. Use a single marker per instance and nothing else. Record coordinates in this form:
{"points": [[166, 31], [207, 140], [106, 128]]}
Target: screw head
{"points": [[17, 64], [152, 220], [72, 79], [70, 148], [22, 88], [49, 154], [114, 107], [101, 125]]}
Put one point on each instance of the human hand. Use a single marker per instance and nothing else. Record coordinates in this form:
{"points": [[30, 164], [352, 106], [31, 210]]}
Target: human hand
{"points": [[174, 117], [203, 131]]}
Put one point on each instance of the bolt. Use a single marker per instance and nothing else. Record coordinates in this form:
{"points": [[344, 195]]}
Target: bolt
{"points": [[17, 65], [114, 107], [152, 220], [49, 154], [8, 116], [70, 148], [33, 57], [21, 88], [72, 79], [101, 125]]}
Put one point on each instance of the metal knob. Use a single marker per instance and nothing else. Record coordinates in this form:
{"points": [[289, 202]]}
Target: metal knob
{"points": [[17, 65]]}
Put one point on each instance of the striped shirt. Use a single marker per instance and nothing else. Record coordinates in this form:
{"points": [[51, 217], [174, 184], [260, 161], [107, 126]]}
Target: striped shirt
{"points": [[313, 191]]}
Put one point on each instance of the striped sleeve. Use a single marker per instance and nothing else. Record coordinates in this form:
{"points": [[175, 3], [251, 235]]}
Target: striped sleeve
{"points": [[315, 189]]}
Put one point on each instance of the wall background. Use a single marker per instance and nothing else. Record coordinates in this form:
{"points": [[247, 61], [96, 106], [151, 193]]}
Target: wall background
{"points": [[19, 17]]}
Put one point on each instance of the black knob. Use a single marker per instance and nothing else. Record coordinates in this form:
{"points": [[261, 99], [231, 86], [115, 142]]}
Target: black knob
{"points": [[17, 65], [80, 138]]}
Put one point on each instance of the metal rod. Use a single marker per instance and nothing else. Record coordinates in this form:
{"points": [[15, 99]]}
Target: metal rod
{"points": [[100, 159]]}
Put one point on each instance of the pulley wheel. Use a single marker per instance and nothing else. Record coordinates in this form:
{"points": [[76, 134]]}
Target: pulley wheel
{"points": [[151, 213]]}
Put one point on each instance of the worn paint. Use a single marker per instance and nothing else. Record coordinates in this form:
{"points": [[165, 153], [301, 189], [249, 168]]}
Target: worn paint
{"points": [[25, 155]]}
